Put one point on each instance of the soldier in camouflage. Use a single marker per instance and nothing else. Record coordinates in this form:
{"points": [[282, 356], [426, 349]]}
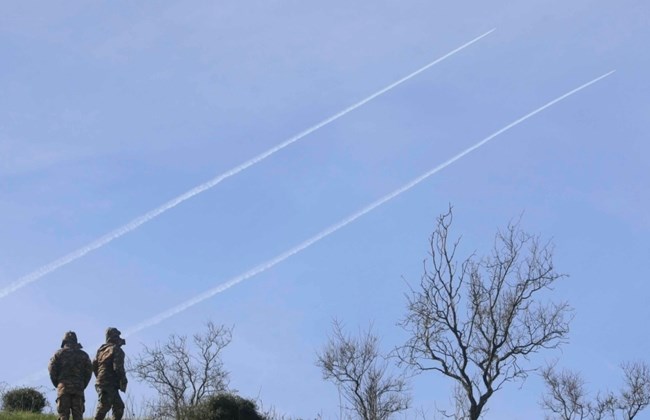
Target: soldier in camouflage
{"points": [[70, 371], [111, 377]]}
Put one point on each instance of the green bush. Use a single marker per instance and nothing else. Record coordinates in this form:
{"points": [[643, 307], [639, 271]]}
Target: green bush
{"points": [[24, 399], [225, 406]]}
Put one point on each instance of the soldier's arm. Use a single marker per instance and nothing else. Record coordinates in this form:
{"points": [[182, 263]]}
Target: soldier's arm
{"points": [[118, 365], [88, 370], [53, 369]]}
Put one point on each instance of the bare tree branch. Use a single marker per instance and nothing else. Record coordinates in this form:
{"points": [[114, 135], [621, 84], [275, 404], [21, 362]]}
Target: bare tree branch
{"points": [[361, 374], [184, 374], [566, 398], [635, 395], [476, 320]]}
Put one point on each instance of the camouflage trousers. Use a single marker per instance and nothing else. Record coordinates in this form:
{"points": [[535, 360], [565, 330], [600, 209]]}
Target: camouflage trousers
{"points": [[70, 402], [109, 398]]}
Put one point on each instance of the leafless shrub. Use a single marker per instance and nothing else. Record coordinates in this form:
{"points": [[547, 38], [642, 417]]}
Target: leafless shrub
{"points": [[184, 373], [566, 398], [361, 373]]}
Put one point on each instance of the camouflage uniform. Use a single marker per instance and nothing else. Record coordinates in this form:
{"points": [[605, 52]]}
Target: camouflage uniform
{"points": [[111, 377], [70, 371]]}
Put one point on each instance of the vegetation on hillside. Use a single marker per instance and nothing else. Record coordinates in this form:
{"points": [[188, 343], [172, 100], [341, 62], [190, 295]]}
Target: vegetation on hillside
{"points": [[21, 415]]}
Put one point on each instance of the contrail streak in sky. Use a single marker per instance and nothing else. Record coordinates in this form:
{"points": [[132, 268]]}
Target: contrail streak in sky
{"points": [[135, 223], [157, 319], [325, 233]]}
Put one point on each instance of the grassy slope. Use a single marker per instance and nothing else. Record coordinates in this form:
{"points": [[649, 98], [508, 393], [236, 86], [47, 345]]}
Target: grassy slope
{"points": [[25, 416]]}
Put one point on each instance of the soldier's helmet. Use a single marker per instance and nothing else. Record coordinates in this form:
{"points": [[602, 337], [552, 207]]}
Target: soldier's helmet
{"points": [[112, 332], [113, 336], [69, 338]]}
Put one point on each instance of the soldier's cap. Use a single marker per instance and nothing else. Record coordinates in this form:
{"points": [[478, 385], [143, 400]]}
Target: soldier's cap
{"points": [[70, 337]]}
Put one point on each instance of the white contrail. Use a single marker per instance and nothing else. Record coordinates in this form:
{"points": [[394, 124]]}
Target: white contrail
{"points": [[135, 223], [267, 265], [155, 320]]}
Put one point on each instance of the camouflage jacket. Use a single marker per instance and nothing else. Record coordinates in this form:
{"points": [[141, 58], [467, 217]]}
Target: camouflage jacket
{"points": [[109, 366], [70, 369]]}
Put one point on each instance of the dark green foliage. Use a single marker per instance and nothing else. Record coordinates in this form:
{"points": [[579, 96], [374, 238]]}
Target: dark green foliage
{"points": [[225, 406], [24, 399]]}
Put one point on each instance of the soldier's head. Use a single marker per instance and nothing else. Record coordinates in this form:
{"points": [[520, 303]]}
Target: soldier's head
{"points": [[70, 338], [113, 336]]}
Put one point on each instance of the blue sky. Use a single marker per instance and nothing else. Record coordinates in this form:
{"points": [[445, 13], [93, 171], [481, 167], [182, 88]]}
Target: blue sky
{"points": [[110, 109]]}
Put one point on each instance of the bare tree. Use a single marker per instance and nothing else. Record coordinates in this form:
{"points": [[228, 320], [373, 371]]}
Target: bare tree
{"points": [[356, 367], [567, 399], [478, 320], [635, 395], [184, 373]]}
